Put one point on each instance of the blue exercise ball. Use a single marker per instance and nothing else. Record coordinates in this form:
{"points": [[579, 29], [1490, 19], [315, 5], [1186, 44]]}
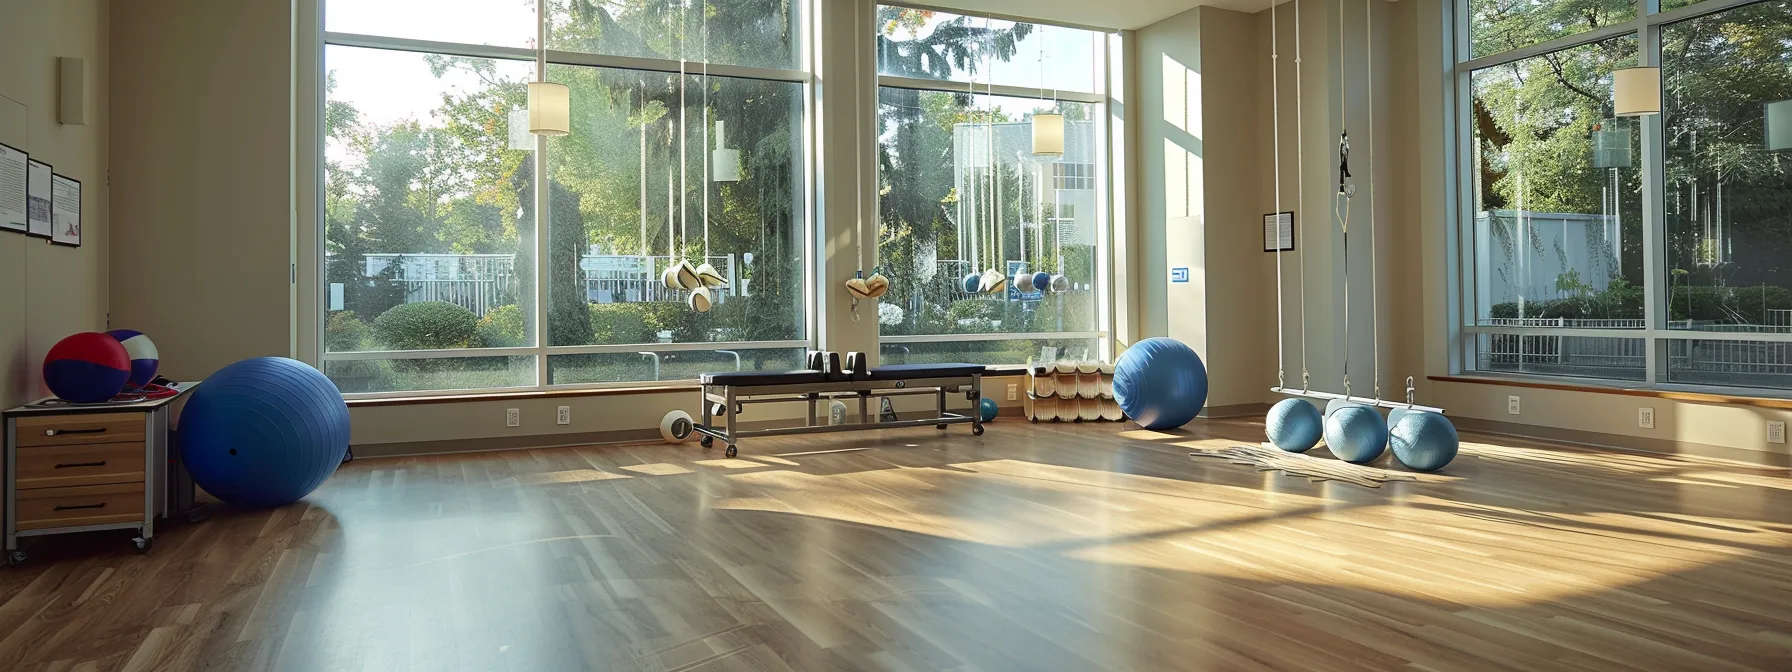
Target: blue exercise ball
{"points": [[1042, 281], [264, 432], [1160, 383], [987, 409], [1356, 434], [1424, 441], [1294, 425]]}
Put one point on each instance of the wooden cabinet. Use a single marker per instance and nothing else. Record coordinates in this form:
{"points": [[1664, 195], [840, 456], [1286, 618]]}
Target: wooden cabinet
{"points": [[72, 468]]}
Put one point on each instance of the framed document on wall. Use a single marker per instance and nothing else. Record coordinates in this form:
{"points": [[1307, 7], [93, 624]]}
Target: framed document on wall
{"points": [[37, 198], [65, 210], [12, 189]]}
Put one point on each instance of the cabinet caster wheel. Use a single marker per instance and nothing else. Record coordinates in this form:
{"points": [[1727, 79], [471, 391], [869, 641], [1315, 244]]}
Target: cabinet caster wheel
{"points": [[707, 442], [16, 558], [977, 430], [143, 545], [731, 452]]}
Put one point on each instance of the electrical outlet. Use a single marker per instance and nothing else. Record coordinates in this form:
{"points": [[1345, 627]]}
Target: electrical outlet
{"points": [[1013, 391], [513, 417], [1776, 432], [1645, 417], [1512, 405], [563, 416]]}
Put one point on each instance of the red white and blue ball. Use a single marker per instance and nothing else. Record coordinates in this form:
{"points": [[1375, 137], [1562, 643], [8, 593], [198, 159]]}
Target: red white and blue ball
{"points": [[87, 368], [142, 351]]}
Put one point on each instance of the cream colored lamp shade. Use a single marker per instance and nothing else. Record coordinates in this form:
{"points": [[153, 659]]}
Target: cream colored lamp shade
{"points": [[1636, 91], [1779, 126], [727, 161], [1048, 134], [550, 108]]}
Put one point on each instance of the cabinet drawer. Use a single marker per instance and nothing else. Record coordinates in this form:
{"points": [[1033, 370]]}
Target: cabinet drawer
{"points": [[93, 464], [65, 430], [81, 505]]}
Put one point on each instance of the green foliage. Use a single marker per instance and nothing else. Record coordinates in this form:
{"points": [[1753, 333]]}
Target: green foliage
{"points": [[621, 324], [344, 332], [502, 327], [430, 325]]}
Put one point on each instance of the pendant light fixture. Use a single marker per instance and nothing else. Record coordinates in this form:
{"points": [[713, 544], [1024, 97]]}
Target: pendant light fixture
{"points": [[1779, 126], [1048, 127], [1636, 91], [550, 104]]}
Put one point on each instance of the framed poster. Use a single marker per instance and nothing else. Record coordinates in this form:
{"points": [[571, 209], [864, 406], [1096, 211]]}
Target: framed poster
{"points": [[12, 189], [37, 198], [1278, 232], [65, 210]]}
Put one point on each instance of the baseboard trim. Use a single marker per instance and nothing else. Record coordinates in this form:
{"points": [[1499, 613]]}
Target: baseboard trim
{"points": [[1234, 411], [1620, 442]]}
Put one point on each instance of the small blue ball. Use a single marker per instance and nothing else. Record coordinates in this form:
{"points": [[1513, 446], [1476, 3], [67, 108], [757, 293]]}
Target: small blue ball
{"points": [[987, 408], [1042, 281], [1294, 425], [1424, 441], [1356, 434], [972, 282]]}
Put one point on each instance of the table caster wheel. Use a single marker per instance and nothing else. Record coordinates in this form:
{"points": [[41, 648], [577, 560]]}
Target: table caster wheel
{"points": [[707, 442], [977, 430], [16, 558], [739, 408], [731, 452], [143, 545]]}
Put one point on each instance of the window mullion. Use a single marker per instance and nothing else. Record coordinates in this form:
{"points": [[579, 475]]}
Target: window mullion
{"points": [[1655, 294]]}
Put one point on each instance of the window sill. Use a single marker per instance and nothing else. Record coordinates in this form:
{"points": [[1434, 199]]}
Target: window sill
{"points": [[656, 388], [1687, 395]]}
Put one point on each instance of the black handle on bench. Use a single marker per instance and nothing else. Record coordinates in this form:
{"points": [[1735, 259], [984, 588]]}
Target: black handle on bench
{"points": [[54, 432], [100, 505], [100, 463]]}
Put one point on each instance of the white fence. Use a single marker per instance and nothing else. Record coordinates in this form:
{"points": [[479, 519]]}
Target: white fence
{"points": [[482, 282]]}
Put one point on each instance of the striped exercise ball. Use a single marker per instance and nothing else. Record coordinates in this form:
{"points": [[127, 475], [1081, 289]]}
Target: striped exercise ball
{"points": [[264, 432], [142, 351], [87, 368]]}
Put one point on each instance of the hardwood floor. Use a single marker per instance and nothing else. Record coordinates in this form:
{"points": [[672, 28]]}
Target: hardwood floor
{"points": [[1035, 547]]}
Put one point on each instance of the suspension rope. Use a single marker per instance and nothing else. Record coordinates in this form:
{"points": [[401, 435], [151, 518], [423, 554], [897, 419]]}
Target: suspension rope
{"points": [[684, 231], [1275, 70], [1374, 267], [1345, 190], [705, 155], [1300, 189]]}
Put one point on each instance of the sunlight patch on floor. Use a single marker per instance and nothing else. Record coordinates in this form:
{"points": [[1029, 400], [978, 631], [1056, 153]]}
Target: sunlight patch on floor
{"points": [[656, 469]]}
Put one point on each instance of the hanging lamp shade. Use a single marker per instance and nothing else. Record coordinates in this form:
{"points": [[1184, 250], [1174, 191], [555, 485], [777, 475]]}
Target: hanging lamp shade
{"points": [[550, 108], [1636, 91], [1779, 126], [1048, 134], [727, 161]]}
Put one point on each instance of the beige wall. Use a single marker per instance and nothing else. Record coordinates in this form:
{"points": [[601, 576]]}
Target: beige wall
{"points": [[48, 292], [200, 156]]}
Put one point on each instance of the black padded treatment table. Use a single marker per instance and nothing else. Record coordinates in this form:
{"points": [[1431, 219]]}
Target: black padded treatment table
{"points": [[726, 395]]}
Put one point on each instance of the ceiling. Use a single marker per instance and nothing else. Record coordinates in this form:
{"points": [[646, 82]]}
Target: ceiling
{"points": [[1098, 13]]}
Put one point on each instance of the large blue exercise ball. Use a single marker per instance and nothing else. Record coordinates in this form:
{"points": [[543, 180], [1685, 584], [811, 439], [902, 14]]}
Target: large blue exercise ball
{"points": [[264, 432], [1356, 434], [1423, 441], [1160, 383], [1294, 425]]}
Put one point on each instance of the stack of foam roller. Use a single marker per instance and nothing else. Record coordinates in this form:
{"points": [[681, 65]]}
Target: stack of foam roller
{"points": [[1071, 392]]}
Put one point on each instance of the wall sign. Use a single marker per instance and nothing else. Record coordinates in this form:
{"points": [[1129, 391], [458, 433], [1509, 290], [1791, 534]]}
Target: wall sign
{"points": [[1179, 274], [1278, 232]]}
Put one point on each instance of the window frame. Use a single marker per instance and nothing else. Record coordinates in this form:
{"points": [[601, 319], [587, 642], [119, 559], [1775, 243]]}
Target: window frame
{"points": [[311, 242], [1103, 177], [1656, 334]]}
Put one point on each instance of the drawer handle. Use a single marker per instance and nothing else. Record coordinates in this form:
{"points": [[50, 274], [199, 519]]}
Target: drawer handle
{"points": [[100, 463], [56, 432], [100, 505]]}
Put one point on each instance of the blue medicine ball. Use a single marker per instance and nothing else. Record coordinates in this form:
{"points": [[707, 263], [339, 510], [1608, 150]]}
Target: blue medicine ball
{"points": [[1160, 383], [987, 409], [264, 432], [1423, 441], [1294, 425], [1356, 434]]}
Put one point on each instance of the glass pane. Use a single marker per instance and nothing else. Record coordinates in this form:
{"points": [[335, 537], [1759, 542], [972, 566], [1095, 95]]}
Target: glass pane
{"points": [[1503, 25], [501, 23], [1585, 356], [655, 366], [949, 214], [1734, 363], [623, 207], [1558, 233], [425, 248], [994, 353], [928, 44], [1729, 222], [420, 375], [760, 33]]}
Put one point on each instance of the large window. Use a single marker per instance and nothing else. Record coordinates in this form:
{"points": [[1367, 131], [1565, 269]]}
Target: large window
{"points": [[443, 272], [962, 191], [1650, 248]]}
